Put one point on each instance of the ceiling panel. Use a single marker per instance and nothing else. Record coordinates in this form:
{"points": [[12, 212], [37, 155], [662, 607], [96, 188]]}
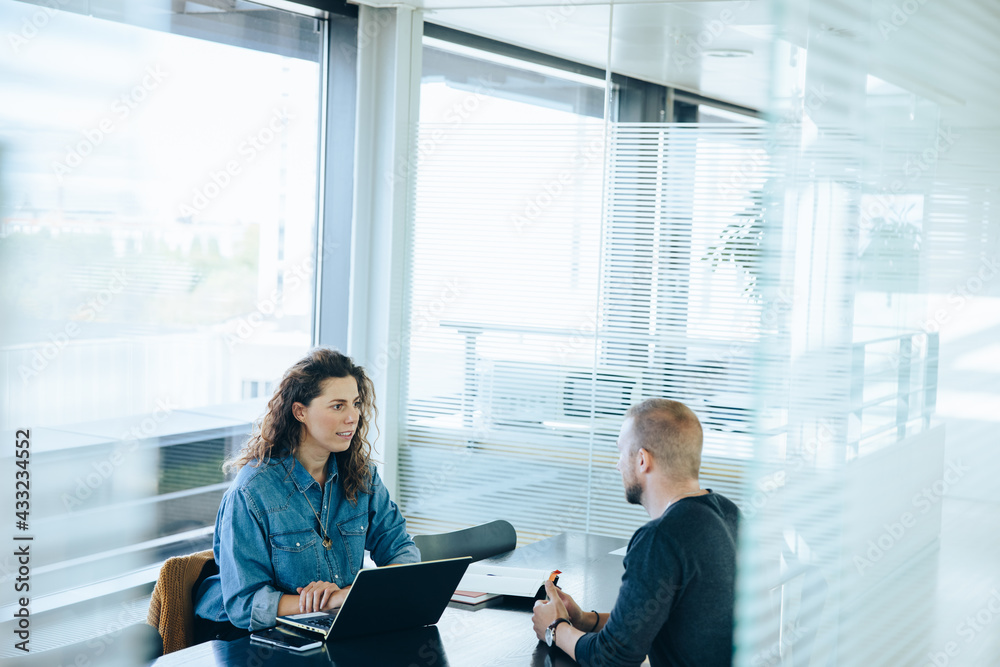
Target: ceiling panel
{"points": [[671, 43], [682, 44]]}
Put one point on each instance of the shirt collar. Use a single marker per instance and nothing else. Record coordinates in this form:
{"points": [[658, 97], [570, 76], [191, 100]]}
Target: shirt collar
{"points": [[301, 477]]}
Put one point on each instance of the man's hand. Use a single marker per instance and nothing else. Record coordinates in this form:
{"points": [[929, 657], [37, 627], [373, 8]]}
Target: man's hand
{"points": [[574, 613], [320, 596], [545, 613]]}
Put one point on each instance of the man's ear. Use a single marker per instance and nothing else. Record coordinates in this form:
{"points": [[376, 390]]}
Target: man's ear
{"points": [[645, 461]]}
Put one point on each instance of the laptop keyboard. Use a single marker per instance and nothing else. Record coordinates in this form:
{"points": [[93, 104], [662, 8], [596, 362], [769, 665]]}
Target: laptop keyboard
{"points": [[318, 623]]}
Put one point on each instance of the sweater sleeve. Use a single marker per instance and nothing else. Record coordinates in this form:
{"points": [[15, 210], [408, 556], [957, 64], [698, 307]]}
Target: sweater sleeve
{"points": [[649, 586]]}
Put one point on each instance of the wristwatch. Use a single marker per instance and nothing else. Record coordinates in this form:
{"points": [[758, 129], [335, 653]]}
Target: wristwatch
{"points": [[550, 632]]}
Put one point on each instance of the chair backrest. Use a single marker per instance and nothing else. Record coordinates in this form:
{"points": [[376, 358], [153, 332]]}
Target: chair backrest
{"points": [[483, 541], [171, 606]]}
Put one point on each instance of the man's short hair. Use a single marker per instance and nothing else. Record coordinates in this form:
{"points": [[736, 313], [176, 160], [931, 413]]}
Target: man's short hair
{"points": [[671, 433]]}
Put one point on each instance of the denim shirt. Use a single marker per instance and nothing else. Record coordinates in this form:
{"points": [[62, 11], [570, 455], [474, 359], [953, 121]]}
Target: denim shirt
{"points": [[268, 542]]}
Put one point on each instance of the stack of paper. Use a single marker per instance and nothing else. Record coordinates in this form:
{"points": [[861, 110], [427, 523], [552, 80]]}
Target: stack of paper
{"points": [[473, 598]]}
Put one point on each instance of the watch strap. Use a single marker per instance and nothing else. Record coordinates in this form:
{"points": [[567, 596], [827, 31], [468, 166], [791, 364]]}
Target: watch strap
{"points": [[553, 626]]}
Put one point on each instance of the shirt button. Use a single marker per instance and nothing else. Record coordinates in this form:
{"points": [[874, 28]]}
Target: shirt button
{"points": [[297, 544]]}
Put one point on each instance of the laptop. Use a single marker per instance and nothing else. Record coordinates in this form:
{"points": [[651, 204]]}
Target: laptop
{"points": [[416, 594]]}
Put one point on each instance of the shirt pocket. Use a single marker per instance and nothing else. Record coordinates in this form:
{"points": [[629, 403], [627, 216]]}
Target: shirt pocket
{"points": [[354, 531], [295, 555]]}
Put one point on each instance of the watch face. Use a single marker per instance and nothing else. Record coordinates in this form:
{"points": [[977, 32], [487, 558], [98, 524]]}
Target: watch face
{"points": [[548, 636]]}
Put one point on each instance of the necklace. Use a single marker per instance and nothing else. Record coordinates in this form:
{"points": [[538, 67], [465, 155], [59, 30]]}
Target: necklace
{"points": [[698, 492], [327, 542]]}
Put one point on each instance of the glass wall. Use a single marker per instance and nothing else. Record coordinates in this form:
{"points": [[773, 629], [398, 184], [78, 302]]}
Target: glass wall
{"points": [[158, 203], [819, 287], [867, 545]]}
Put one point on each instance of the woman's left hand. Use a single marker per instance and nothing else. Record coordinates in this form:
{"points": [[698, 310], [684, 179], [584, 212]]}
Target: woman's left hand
{"points": [[320, 596]]}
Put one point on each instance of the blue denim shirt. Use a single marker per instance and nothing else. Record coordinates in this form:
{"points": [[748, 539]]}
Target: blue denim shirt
{"points": [[268, 543]]}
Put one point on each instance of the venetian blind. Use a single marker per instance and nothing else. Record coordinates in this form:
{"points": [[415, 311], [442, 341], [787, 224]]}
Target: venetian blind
{"points": [[558, 275]]}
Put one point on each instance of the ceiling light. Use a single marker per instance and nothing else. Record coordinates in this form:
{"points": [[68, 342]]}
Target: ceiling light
{"points": [[728, 53]]}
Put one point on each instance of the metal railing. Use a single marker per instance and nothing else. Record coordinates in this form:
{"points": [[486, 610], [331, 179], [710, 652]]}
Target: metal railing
{"points": [[893, 388]]}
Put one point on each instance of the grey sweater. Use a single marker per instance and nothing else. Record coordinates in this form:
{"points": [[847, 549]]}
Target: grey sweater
{"points": [[676, 599]]}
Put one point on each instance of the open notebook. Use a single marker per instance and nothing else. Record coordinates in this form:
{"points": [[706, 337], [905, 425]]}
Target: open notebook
{"points": [[493, 579]]}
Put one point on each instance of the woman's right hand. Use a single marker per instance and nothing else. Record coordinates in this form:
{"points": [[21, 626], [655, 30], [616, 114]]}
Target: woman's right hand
{"points": [[320, 596]]}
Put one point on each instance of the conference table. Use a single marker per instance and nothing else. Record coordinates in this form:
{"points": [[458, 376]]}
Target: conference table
{"points": [[493, 635]]}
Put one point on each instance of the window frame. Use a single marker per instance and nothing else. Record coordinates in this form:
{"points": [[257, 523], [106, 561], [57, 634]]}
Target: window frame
{"points": [[331, 283]]}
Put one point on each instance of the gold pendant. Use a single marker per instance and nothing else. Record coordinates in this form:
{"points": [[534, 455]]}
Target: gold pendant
{"points": [[327, 542]]}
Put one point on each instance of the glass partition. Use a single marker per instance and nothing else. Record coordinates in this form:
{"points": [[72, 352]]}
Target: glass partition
{"points": [[794, 235]]}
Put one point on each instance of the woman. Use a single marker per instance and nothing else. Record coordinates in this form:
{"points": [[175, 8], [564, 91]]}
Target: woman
{"points": [[307, 501]]}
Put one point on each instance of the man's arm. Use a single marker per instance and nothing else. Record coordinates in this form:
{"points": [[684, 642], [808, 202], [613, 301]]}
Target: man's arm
{"points": [[562, 605], [559, 605], [587, 621], [596, 624], [566, 638], [645, 598]]}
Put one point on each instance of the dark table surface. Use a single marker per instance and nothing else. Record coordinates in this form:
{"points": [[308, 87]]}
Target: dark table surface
{"points": [[495, 635]]}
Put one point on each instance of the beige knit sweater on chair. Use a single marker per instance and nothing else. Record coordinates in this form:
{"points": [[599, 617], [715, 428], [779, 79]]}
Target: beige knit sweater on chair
{"points": [[171, 609]]}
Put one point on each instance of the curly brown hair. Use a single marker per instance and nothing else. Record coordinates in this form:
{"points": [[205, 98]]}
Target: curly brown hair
{"points": [[278, 433]]}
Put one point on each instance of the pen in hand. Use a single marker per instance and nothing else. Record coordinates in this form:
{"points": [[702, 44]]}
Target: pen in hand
{"points": [[554, 578]]}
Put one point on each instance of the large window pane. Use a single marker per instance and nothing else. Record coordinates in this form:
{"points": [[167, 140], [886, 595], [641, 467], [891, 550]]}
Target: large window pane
{"points": [[158, 175], [508, 176], [159, 207]]}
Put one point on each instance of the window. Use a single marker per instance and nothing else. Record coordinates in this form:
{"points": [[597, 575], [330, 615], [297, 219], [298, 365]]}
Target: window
{"points": [[551, 259], [159, 198]]}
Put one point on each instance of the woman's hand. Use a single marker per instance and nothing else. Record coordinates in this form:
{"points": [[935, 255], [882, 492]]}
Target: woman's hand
{"points": [[320, 596]]}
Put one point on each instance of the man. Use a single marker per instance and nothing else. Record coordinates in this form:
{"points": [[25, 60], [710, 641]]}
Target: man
{"points": [[676, 599]]}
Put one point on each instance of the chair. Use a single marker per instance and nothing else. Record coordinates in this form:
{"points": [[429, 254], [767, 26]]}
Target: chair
{"points": [[483, 541], [171, 607]]}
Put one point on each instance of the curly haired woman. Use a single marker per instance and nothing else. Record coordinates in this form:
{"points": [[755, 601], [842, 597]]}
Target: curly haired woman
{"points": [[306, 503]]}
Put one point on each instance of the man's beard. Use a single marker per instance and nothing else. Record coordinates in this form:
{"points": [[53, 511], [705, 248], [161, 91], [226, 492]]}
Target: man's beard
{"points": [[633, 493]]}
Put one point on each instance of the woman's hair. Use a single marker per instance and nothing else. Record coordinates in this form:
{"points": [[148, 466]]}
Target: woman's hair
{"points": [[278, 433]]}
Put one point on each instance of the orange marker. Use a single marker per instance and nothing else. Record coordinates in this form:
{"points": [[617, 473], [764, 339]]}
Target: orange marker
{"points": [[554, 578]]}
